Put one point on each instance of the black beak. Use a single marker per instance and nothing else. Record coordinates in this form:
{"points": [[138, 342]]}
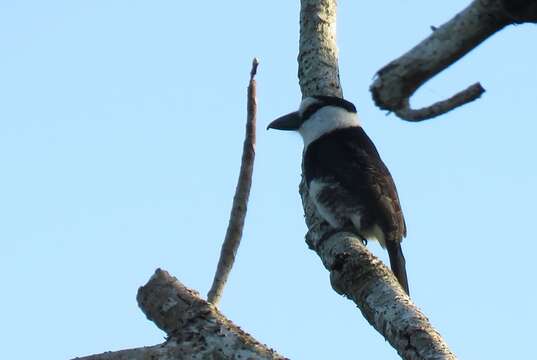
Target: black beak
{"points": [[290, 121]]}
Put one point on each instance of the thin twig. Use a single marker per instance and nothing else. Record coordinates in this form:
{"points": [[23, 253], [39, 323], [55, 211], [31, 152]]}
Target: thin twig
{"points": [[240, 200]]}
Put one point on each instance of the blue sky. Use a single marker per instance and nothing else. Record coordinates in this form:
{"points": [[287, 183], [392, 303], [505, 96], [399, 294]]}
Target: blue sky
{"points": [[121, 126]]}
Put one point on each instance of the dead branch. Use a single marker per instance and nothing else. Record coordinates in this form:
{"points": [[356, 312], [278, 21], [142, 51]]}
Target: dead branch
{"points": [[169, 350], [195, 328], [318, 70], [354, 271], [240, 200], [399, 80], [360, 276]]}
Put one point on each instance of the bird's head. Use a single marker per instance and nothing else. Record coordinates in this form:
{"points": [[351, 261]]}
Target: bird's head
{"points": [[316, 116]]}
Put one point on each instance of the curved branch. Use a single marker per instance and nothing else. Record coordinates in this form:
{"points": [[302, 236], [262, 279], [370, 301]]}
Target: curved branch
{"points": [[354, 271], [397, 81], [240, 200]]}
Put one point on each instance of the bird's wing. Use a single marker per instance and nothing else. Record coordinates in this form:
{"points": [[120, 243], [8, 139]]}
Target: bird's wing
{"points": [[351, 158]]}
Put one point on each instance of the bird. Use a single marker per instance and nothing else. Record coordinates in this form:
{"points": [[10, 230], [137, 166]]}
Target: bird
{"points": [[346, 179]]}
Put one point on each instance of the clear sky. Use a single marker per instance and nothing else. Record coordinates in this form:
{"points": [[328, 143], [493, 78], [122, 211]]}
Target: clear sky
{"points": [[121, 127]]}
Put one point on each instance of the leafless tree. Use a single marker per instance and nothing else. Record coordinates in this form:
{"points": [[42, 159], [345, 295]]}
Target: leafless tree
{"points": [[195, 327]]}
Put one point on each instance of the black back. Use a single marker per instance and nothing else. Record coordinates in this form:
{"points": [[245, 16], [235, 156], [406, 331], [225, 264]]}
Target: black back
{"points": [[349, 157]]}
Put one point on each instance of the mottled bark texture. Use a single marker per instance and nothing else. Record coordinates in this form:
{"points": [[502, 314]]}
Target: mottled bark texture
{"points": [[240, 200], [364, 279], [397, 81], [195, 328], [354, 271], [169, 350], [318, 71]]}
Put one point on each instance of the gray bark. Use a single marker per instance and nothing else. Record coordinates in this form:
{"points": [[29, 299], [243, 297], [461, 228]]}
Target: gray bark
{"points": [[397, 81], [195, 328], [354, 271], [167, 351], [240, 200], [318, 71]]}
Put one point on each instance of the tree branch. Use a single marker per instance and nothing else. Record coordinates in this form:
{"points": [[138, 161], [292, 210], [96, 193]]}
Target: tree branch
{"points": [[363, 278], [318, 71], [167, 351], [354, 271], [195, 328], [397, 81], [240, 200]]}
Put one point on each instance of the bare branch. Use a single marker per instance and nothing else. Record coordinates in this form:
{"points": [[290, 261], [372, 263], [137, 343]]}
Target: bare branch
{"points": [[240, 200], [364, 279], [318, 71], [196, 329], [196, 325], [169, 350], [354, 271], [397, 81], [471, 93]]}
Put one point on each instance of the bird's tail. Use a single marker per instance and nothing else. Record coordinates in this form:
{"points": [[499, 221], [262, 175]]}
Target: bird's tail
{"points": [[397, 263]]}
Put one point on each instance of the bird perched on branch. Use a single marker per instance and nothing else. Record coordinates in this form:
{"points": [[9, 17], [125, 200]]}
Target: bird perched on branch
{"points": [[346, 179]]}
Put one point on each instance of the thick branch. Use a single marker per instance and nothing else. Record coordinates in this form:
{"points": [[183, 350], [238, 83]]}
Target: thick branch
{"points": [[196, 329], [169, 350], [354, 271], [397, 81], [240, 200], [363, 278], [197, 326], [318, 71]]}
